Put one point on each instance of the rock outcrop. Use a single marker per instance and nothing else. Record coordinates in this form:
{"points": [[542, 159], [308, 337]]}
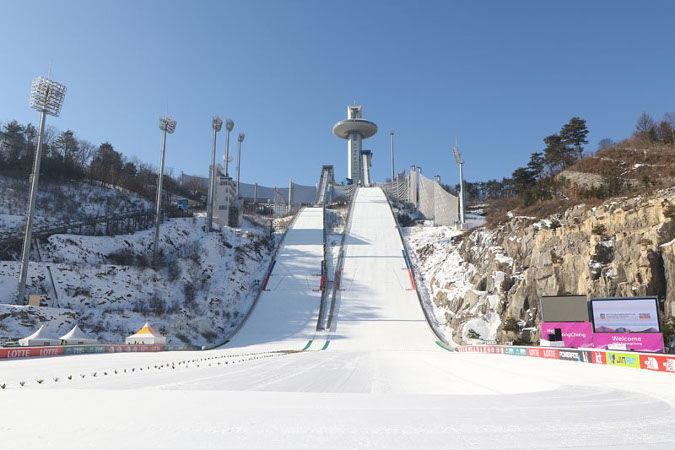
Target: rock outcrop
{"points": [[624, 247]]}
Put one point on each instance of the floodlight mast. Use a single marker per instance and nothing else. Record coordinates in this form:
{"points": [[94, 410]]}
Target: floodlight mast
{"points": [[240, 139], [229, 126], [217, 124], [167, 125], [391, 134], [47, 97], [460, 163]]}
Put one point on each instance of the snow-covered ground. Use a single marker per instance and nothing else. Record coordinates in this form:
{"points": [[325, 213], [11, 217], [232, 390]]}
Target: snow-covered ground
{"points": [[62, 202], [382, 382], [200, 292]]}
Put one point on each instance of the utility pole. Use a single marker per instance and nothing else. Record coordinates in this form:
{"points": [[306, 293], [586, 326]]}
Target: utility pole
{"points": [[290, 194], [240, 139], [167, 125], [217, 124], [391, 133], [47, 97]]}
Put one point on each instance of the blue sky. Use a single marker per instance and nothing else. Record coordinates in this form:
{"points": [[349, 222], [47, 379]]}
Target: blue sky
{"points": [[498, 75]]}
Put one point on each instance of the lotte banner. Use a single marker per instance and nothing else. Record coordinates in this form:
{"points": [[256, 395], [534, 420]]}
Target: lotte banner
{"points": [[28, 352], [551, 353]]}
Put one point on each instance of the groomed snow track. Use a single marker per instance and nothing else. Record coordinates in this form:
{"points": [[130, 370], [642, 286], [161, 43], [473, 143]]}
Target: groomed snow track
{"points": [[377, 378]]}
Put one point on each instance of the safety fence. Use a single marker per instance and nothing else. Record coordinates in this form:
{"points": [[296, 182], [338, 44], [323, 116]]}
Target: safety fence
{"points": [[648, 361], [108, 225], [324, 274], [415, 281], [60, 350], [426, 195], [328, 323]]}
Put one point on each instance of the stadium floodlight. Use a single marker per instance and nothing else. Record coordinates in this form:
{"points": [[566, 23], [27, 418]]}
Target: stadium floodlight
{"points": [[217, 124], [458, 157], [460, 163], [47, 97], [240, 139], [167, 125], [229, 126]]}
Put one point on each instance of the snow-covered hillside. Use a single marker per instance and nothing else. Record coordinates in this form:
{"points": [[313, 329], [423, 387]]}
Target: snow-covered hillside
{"points": [[201, 290], [446, 279], [62, 202]]}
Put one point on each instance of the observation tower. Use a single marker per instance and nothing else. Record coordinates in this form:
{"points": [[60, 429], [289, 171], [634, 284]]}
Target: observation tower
{"points": [[354, 129]]}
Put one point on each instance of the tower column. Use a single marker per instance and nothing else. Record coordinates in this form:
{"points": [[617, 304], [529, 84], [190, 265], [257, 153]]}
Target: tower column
{"points": [[354, 157]]}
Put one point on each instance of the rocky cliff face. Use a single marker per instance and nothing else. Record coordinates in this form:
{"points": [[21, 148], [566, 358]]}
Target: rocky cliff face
{"points": [[625, 247]]}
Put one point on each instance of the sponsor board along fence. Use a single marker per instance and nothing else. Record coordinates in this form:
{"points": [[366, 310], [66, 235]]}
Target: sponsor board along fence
{"points": [[656, 362], [32, 352]]}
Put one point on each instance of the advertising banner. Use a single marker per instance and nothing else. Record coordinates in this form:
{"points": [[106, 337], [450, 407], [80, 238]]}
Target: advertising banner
{"points": [[173, 347], [543, 352], [662, 363], [83, 349], [639, 342], [623, 359], [575, 355], [635, 315], [574, 334], [517, 351], [599, 357], [27, 352], [133, 348]]}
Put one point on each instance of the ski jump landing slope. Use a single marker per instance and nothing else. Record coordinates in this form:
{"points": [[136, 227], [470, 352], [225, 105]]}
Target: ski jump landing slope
{"points": [[381, 382], [285, 316]]}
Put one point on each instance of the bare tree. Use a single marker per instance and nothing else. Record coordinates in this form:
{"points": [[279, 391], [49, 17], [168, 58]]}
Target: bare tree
{"points": [[605, 143], [669, 118], [85, 152], [644, 123]]}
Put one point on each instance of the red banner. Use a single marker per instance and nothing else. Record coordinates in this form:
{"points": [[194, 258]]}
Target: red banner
{"points": [[599, 357], [29, 352], [662, 363], [551, 353]]}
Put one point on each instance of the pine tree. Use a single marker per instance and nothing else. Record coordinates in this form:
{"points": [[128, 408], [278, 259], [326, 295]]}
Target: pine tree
{"points": [[14, 145], [536, 164], [67, 144], [522, 179], [556, 154], [573, 134]]}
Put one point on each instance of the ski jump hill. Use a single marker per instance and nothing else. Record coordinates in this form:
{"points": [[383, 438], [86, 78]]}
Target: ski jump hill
{"points": [[375, 378], [377, 306]]}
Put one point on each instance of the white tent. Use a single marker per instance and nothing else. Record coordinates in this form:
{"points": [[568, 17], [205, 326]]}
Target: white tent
{"points": [[38, 338], [77, 337], [147, 336]]}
